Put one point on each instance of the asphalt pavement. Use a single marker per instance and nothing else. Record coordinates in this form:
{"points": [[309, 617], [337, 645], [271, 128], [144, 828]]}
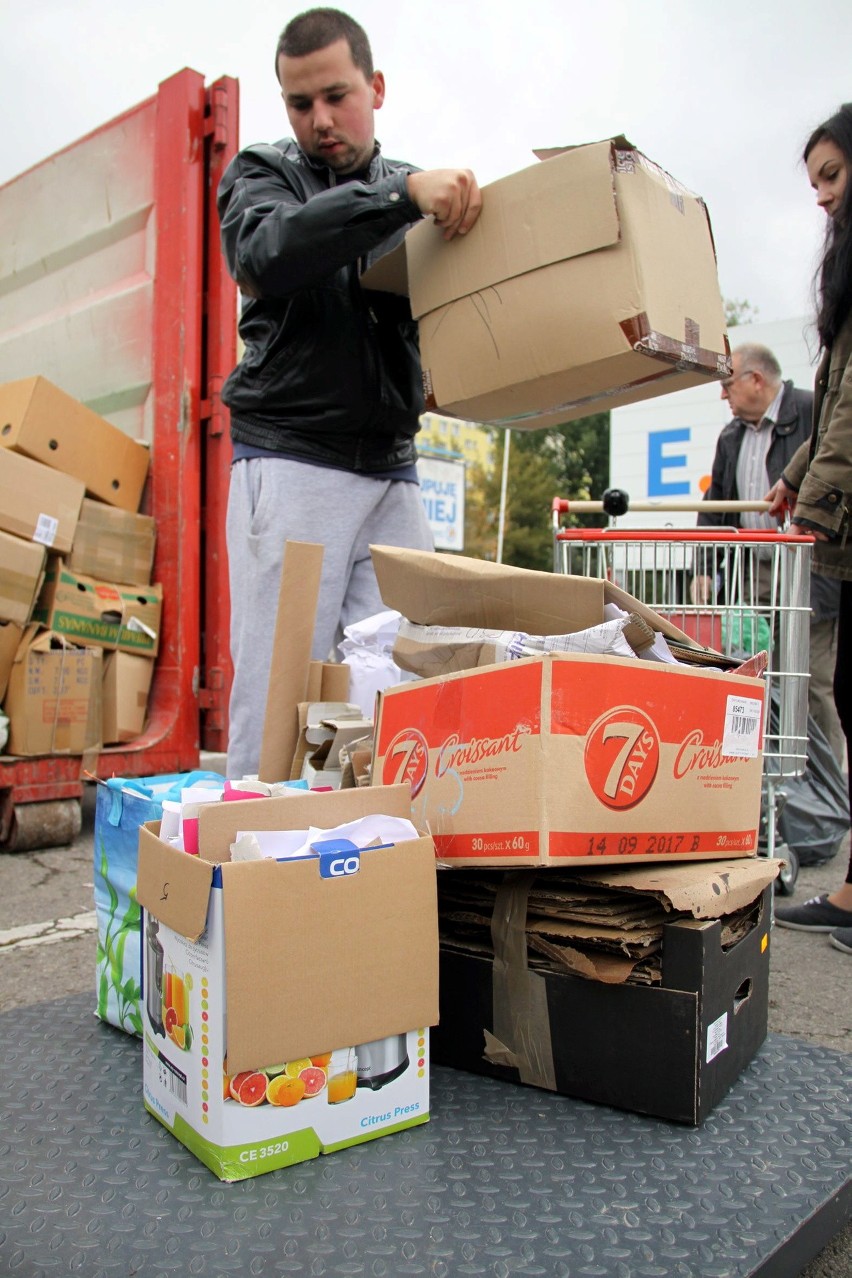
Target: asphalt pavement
{"points": [[47, 951]]}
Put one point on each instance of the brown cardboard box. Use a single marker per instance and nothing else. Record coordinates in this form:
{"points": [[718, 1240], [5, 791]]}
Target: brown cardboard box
{"points": [[127, 682], [569, 758], [38, 503], [21, 576], [329, 964], [10, 637], [54, 696], [113, 545], [43, 422], [98, 612], [588, 281]]}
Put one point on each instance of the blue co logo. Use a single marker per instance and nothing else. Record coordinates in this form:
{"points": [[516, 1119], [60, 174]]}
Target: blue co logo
{"points": [[337, 857]]}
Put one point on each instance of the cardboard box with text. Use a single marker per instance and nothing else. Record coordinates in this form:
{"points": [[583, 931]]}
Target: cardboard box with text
{"points": [[53, 700], [570, 759], [99, 612], [286, 1013]]}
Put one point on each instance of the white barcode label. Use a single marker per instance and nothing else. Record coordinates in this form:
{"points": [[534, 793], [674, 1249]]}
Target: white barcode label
{"points": [[46, 529], [717, 1037], [171, 1078], [742, 727]]}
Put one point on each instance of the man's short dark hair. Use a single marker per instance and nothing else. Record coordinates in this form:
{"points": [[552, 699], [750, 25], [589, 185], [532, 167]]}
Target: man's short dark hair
{"points": [[317, 29]]}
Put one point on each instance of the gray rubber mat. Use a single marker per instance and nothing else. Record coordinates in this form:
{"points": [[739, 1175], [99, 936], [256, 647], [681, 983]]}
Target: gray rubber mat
{"points": [[503, 1181]]}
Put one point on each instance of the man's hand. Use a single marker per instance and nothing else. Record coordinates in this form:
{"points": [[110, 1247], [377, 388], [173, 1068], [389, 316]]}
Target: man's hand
{"points": [[782, 500], [451, 196]]}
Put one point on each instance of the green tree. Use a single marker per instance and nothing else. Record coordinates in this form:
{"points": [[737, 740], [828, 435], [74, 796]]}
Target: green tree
{"points": [[565, 461], [739, 311]]}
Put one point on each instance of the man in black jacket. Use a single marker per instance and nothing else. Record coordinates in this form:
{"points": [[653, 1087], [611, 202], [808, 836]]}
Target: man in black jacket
{"points": [[326, 400], [771, 418]]}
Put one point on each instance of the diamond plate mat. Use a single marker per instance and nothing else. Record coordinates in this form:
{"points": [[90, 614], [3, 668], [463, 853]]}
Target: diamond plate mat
{"points": [[503, 1181]]}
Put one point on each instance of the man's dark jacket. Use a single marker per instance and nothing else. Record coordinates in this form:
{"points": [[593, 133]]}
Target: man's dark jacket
{"points": [[331, 372], [791, 429]]}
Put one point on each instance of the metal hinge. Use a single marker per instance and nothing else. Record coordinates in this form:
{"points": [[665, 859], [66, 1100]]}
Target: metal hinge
{"points": [[212, 411], [216, 121], [211, 698]]}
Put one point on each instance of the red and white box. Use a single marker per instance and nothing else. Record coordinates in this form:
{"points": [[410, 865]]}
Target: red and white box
{"points": [[572, 760]]}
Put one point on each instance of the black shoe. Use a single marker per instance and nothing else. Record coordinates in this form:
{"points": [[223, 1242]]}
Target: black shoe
{"points": [[841, 939], [816, 915]]}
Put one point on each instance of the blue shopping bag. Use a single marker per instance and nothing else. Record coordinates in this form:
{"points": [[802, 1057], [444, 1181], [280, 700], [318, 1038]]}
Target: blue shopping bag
{"points": [[123, 805]]}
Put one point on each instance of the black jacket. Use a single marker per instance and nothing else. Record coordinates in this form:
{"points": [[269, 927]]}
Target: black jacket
{"points": [[331, 372], [792, 428]]}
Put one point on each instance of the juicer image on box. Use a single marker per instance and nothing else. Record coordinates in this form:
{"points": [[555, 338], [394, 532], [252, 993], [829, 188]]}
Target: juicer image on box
{"points": [[167, 991], [381, 1061]]}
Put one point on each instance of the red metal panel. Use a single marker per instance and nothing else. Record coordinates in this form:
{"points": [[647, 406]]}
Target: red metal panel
{"points": [[220, 352], [195, 137]]}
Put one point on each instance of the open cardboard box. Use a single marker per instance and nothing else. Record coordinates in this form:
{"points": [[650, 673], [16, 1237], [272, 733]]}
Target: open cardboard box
{"points": [[588, 281], [54, 696], [284, 965], [672, 1050], [325, 728], [569, 758]]}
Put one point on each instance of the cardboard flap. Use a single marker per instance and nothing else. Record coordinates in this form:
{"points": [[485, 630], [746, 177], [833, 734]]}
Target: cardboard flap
{"points": [[373, 931], [434, 589], [291, 657], [218, 823], [560, 208], [705, 889], [171, 885], [389, 274]]}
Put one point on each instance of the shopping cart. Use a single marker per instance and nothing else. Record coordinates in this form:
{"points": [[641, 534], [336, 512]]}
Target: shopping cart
{"points": [[737, 591]]}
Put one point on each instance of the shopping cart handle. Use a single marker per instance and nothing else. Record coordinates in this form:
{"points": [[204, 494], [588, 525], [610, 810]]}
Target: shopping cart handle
{"points": [[617, 502]]}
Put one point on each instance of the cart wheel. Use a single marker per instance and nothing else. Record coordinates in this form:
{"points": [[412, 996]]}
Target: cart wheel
{"points": [[785, 884], [43, 825]]}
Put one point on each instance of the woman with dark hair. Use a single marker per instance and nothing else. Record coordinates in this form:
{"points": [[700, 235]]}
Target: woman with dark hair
{"points": [[817, 484]]}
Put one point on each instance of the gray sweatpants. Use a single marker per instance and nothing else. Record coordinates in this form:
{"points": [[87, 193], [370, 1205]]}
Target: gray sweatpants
{"points": [[273, 500]]}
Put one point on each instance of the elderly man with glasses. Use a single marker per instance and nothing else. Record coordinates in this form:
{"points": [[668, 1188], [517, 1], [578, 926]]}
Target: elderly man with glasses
{"points": [[770, 419]]}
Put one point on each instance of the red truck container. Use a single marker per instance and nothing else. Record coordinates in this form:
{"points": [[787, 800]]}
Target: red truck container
{"points": [[115, 289]]}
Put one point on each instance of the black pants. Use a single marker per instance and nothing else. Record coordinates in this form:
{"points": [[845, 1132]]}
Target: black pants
{"points": [[843, 687]]}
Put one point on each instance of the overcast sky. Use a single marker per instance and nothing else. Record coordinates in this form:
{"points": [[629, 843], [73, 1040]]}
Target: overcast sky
{"points": [[721, 94]]}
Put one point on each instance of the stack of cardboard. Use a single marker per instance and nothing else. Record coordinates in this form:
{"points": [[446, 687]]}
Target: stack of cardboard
{"points": [[75, 572], [526, 773]]}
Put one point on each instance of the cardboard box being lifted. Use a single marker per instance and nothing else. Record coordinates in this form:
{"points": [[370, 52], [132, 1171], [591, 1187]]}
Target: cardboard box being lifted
{"points": [[43, 422], [588, 281]]}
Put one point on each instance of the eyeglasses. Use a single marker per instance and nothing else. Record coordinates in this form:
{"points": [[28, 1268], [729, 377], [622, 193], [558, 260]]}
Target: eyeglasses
{"points": [[729, 381]]}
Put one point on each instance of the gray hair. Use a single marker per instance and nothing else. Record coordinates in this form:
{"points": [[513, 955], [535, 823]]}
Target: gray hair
{"points": [[761, 359]]}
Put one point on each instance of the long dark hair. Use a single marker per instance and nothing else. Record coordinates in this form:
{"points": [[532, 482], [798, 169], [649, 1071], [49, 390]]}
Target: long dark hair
{"points": [[833, 284]]}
